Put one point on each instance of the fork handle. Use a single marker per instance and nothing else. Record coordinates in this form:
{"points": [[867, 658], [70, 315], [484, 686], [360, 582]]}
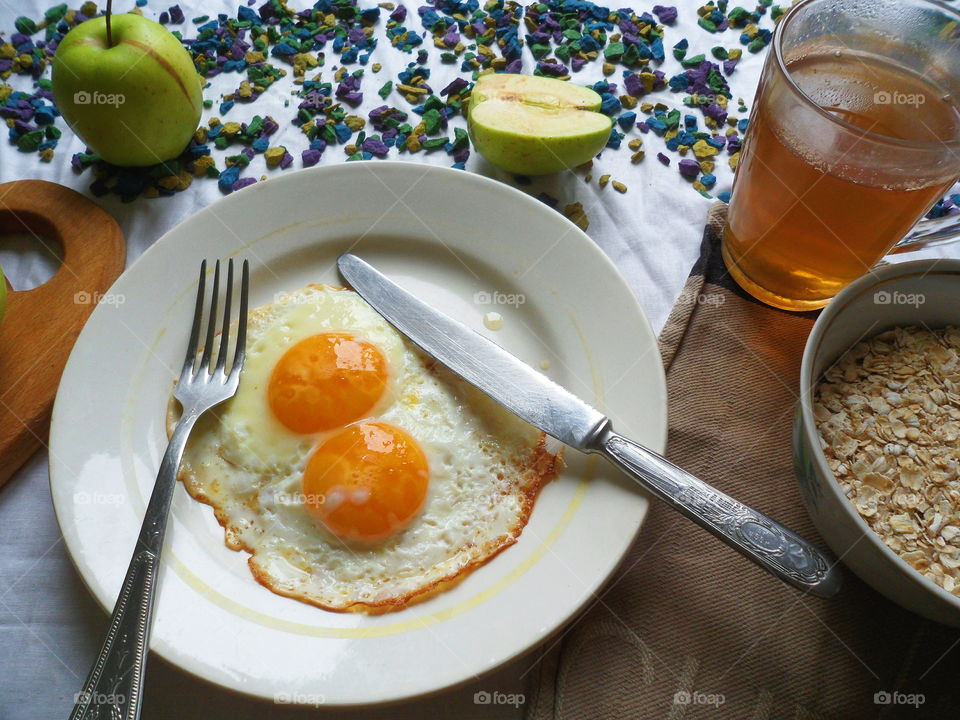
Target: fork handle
{"points": [[113, 689]]}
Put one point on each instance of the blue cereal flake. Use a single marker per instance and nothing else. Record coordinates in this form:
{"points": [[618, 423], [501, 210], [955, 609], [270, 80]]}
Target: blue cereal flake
{"points": [[610, 104], [724, 196], [656, 124], [227, 178], [943, 207], [627, 120]]}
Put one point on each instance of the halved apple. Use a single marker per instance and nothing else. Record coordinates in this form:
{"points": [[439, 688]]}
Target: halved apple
{"points": [[533, 125]]}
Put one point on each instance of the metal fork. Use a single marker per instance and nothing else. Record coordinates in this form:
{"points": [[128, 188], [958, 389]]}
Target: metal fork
{"points": [[114, 687]]}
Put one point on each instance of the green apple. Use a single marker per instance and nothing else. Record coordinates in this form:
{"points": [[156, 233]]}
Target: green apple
{"points": [[533, 125], [128, 88]]}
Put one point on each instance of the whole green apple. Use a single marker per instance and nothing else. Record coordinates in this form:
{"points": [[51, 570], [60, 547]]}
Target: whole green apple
{"points": [[128, 88], [532, 125]]}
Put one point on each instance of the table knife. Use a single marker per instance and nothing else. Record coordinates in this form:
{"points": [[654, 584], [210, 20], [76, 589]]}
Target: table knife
{"points": [[557, 412]]}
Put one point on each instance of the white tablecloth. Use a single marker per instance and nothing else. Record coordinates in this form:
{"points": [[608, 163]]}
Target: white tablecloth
{"points": [[50, 627]]}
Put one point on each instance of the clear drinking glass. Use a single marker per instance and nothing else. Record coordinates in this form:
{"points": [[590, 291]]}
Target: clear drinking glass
{"points": [[853, 137]]}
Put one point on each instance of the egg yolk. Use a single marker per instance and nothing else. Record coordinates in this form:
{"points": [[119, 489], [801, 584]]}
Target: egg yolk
{"points": [[366, 482], [326, 381]]}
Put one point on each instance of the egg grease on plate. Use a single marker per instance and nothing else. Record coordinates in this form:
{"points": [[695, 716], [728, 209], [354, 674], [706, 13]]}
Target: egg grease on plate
{"points": [[358, 473]]}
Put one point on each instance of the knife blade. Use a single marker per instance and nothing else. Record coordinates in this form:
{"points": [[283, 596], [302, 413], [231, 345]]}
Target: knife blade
{"points": [[560, 414]]}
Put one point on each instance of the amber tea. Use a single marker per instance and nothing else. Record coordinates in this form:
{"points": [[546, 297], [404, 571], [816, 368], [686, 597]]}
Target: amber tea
{"points": [[821, 196]]}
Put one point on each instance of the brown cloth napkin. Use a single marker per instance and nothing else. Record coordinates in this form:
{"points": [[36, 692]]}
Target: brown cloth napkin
{"points": [[689, 629]]}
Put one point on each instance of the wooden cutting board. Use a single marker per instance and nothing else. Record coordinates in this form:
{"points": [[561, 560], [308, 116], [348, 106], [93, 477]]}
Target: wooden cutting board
{"points": [[42, 324]]}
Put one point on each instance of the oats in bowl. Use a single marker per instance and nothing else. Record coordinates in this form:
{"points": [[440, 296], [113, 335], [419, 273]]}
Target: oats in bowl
{"points": [[888, 415]]}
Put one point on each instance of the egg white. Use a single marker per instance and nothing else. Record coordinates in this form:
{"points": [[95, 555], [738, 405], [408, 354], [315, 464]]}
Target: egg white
{"points": [[486, 467]]}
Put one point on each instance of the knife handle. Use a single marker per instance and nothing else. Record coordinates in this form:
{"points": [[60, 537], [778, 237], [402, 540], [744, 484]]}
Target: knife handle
{"points": [[763, 540]]}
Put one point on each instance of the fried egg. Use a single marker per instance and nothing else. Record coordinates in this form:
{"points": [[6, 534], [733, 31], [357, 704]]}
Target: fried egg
{"points": [[358, 474]]}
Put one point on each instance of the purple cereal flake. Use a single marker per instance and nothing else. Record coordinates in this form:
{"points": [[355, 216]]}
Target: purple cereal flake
{"points": [[552, 69], [452, 37], [461, 155], [716, 112], [176, 15], [400, 14], [665, 13], [643, 127], [663, 158], [248, 151], [515, 66], [375, 146], [689, 168], [455, 87], [350, 96], [286, 161], [634, 85], [729, 65], [270, 126], [242, 183]]}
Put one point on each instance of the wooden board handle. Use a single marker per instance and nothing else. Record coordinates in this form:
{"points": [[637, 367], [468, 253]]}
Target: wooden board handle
{"points": [[42, 324]]}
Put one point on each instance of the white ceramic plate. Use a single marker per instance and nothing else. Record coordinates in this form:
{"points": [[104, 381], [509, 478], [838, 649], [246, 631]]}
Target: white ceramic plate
{"points": [[466, 244]]}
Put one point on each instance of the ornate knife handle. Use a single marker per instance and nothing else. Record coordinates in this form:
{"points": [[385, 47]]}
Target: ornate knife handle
{"points": [[765, 541]]}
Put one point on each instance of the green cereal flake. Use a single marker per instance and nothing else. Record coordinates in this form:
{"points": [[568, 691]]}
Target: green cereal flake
{"points": [[431, 121], [30, 141], [25, 25]]}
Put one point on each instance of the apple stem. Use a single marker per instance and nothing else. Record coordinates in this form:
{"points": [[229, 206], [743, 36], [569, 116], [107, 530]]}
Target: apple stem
{"points": [[107, 15]]}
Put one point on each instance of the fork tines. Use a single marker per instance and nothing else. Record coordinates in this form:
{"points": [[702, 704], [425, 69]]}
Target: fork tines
{"points": [[190, 367]]}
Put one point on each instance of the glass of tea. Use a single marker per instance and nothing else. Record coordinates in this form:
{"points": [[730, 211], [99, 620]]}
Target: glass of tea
{"points": [[853, 137]]}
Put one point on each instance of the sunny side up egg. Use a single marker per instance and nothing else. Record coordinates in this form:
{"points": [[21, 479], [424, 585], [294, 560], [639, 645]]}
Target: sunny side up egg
{"points": [[358, 474]]}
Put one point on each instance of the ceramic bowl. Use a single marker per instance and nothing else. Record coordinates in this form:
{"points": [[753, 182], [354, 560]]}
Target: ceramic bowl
{"points": [[923, 292]]}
